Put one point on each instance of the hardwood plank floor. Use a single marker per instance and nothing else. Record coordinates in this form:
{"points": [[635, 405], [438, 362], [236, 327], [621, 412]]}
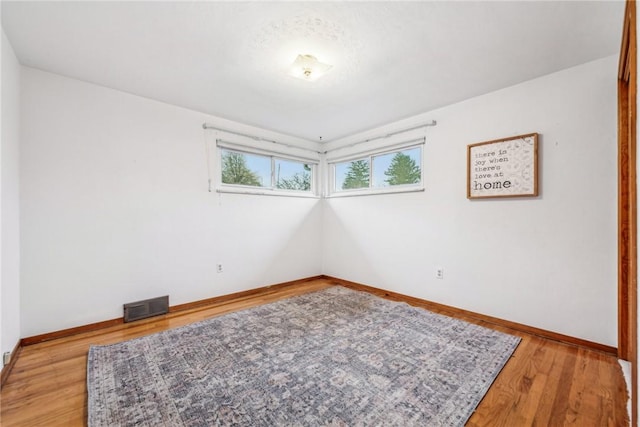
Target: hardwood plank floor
{"points": [[545, 383]]}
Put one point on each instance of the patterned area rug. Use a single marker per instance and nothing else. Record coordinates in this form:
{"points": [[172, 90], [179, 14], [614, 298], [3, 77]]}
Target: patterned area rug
{"points": [[336, 357]]}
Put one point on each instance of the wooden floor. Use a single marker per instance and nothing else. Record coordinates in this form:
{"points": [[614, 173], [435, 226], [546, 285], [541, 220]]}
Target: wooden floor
{"points": [[545, 383]]}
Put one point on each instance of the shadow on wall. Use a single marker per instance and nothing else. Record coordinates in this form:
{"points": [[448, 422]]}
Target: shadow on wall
{"points": [[341, 245], [296, 243], [266, 240]]}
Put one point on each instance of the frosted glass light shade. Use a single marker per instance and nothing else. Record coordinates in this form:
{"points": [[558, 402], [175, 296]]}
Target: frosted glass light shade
{"points": [[307, 67]]}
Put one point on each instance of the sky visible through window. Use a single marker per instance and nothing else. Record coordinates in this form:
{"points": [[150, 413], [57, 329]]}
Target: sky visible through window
{"points": [[287, 169], [289, 172], [380, 164], [261, 166], [341, 172]]}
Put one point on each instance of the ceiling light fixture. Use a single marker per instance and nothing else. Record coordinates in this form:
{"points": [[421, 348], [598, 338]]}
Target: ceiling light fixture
{"points": [[307, 67]]}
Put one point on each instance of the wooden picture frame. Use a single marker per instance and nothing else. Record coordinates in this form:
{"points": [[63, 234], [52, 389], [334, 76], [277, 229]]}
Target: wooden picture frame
{"points": [[506, 167]]}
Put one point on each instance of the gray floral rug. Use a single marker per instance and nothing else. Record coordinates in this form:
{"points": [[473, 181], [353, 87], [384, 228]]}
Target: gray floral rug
{"points": [[336, 357]]}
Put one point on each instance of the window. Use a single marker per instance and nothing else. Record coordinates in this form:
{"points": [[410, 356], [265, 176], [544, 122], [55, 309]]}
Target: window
{"points": [[352, 175], [243, 169], [291, 175], [399, 170], [256, 170]]}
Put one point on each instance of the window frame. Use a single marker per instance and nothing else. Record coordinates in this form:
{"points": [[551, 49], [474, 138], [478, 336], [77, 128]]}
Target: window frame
{"points": [[370, 155], [271, 190]]}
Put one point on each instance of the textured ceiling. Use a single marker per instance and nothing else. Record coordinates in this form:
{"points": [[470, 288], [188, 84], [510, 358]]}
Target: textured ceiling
{"points": [[390, 60]]}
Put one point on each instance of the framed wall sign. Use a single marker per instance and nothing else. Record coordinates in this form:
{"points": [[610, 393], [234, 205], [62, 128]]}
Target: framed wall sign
{"points": [[505, 167]]}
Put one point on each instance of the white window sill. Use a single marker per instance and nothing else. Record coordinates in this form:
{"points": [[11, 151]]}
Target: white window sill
{"points": [[376, 192], [267, 192]]}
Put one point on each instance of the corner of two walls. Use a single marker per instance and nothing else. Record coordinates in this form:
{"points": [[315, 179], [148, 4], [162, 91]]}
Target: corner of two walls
{"points": [[115, 208], [548, 261], [10, 212]]}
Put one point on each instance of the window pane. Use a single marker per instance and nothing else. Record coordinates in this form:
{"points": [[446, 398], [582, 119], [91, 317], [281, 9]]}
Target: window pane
{"points": [[351, 175], [292, 175], [246, 169], [399, 168]]}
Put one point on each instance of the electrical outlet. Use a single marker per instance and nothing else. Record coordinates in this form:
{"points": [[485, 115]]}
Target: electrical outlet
{"points": [[219, 268], [6, 358], [439, 273]]}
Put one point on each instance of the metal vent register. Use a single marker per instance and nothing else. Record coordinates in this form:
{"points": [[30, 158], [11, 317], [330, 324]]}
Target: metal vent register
{"points": [[146, 308]]}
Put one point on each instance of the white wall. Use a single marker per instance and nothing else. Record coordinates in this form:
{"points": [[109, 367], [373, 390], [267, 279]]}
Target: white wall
{"points": [[10, 212], [115, 209], [549, 261]]}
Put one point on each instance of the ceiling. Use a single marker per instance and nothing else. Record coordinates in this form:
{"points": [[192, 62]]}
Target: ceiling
{"points": [[391, 60]]}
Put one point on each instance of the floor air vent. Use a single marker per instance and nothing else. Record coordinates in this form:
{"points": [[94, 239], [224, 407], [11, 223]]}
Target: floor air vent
{"points": [[147, 308]]}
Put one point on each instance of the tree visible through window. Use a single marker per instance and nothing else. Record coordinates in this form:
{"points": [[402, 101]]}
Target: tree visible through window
{"points": [[380, 171], [235, 170], [257, 170], [293, 175], [357, 175], [402, 170]]}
